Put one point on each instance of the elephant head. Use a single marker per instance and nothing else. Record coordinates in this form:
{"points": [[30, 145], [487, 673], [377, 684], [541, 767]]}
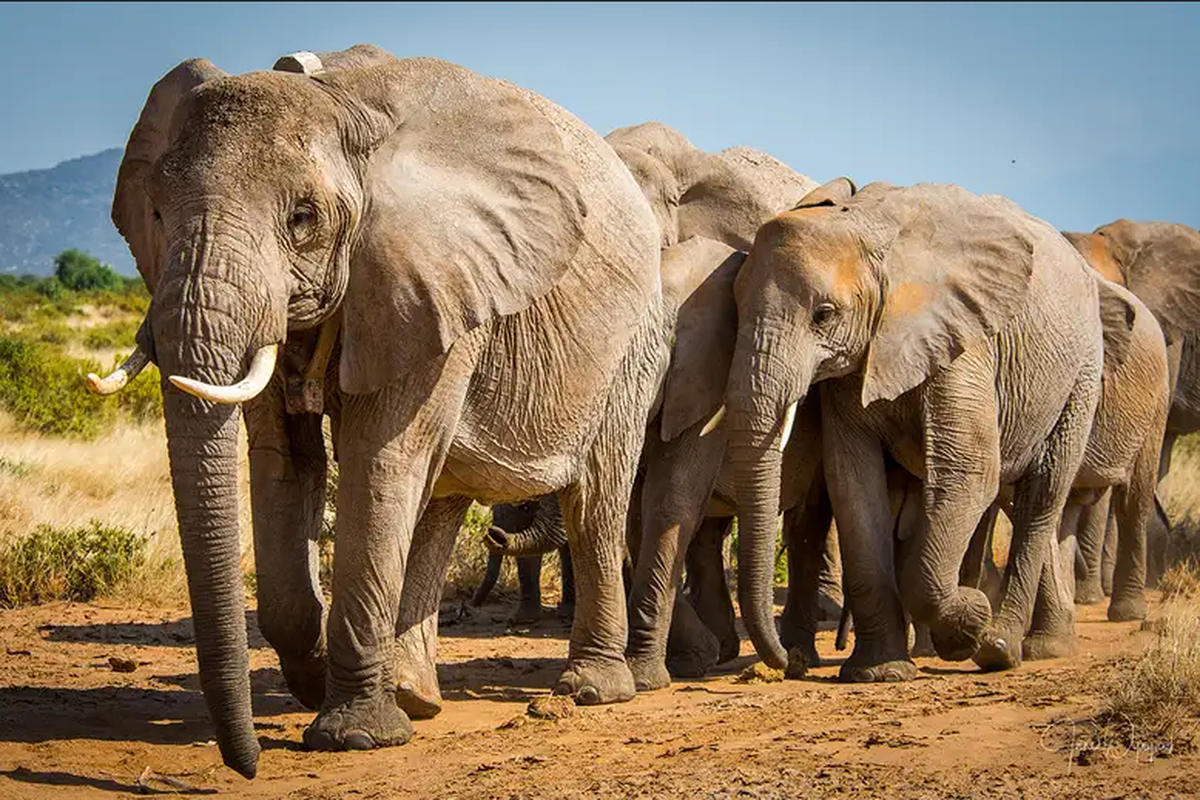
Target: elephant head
{"points": [[404, 195], [723, 196], [889, 283], [1158, 261]]}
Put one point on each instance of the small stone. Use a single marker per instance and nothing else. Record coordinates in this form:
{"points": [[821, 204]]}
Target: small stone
{"points": [[122, 664], [759, 672], [554, 706]]}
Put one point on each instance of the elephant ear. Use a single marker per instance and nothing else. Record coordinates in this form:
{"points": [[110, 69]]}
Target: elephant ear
{"points": [[698, 277], [957, 270], [1161, 264], [1118, 314], [836, 192], [132, 212], [473, 210]]}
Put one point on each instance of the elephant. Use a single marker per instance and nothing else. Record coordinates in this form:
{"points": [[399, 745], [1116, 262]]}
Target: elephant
{"points": [[1160, 263], [494, 272], [528, 531], [951, 332]]}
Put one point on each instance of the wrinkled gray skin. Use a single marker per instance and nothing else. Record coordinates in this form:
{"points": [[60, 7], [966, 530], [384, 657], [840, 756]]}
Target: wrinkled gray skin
{"points": [[709, 207], [1121, 463], [1160, 263], [490, 349], [527, 531], [907, 308]]}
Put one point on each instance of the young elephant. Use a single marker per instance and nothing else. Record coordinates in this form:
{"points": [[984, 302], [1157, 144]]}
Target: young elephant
{"points": [[951, 332], [527, 531]]}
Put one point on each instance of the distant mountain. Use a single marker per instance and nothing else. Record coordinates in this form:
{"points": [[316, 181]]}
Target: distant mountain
{"points": [[46, 211]]}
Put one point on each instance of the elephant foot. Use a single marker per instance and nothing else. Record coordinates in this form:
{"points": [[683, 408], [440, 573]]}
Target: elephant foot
{"points": [[360, 724], [305, 679], [417, 692], [877, 663], [1088, 592], [1127, 609], [956, 635], [1039, 646], [794, 637], [999, 649], [692, 656], [596, 682], [526, 614], [649, 673]]}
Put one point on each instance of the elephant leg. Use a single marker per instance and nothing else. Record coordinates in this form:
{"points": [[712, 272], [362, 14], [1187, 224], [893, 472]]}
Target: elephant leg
{"points": [[495, 562], [393, 445], [1039, 498], [829, 580], [1136, 507], [677, 481], [1092, 528], [529, 579], [962, 478], [806, 533], [1108, 552], [1052, 629], [417, 692], [287, 479], [566, 606], [858, 493], [979, 550], [708, 593]]}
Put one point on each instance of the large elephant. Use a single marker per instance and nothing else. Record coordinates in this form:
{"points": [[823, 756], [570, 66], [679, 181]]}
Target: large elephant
{"points": [[906, 307], [496, 273], [1160, 263]]}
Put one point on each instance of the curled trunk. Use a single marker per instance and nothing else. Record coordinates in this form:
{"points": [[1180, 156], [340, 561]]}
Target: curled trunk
{"points": [[545, 535]]}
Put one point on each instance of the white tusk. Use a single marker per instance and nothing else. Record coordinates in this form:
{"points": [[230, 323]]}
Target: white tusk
{"points": [[257, 378], [713, 422], [789, 419], [301, 61], [122, 375]]}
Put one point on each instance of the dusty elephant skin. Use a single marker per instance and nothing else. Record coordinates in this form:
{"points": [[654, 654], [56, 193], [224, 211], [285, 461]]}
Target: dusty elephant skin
{"points": [[908, 307], [258, 206], [1160, 263]]}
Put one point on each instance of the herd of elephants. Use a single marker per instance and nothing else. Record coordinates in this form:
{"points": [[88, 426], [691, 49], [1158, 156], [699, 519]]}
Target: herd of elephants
{"points": [[620, 343]]}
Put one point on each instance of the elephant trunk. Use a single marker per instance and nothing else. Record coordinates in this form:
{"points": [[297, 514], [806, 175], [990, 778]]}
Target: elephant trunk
{"points": [[207, 325], [766, 387], [545, 535]]}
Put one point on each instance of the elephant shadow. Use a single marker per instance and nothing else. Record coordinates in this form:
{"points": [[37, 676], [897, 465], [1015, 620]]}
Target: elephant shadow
{"points": [[173, 633], [68, 780], [499, 679], [463, 621]]}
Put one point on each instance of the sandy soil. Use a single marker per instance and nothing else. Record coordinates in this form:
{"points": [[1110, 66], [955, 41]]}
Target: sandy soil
{"points": [[69, 721]]}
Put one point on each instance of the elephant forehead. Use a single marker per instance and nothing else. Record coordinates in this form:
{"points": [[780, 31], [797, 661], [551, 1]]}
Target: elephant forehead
{"points": [[1096, 252]]}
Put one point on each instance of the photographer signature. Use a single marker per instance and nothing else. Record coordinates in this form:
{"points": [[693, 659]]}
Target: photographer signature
{"points": [[1079, 738]]}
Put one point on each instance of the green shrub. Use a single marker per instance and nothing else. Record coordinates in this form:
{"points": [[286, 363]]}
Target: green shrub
{"points": [[77, 564], [80, 272], [44, 390], [141, 399]]}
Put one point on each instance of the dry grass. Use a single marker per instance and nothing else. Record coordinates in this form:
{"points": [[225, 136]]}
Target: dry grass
{"points": [[1153, 701], [1181, 581]]}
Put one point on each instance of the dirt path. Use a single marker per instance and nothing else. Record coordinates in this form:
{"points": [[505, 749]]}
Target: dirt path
{"points": [[69, 721]]}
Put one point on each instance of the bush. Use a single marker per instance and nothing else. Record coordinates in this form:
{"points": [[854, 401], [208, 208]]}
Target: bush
{"points": [[44, 390], [77, 564], [80, 272]]}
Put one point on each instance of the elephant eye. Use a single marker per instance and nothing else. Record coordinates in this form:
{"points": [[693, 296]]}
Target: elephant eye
{"points": [[301, 222], [823, 314], [157, 216]]}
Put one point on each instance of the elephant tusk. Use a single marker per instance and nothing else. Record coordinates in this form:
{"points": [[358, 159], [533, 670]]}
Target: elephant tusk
{"points": [[301, 61], [789, 420], [262, 366], [122, 375], [713, 422]]}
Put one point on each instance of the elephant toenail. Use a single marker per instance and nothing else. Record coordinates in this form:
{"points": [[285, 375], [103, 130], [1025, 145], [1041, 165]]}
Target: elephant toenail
{"points": [[588, 696], [359, 740]]}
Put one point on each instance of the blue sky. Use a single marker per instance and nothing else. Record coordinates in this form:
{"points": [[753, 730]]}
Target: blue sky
{"points": [[1079, 112]]}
